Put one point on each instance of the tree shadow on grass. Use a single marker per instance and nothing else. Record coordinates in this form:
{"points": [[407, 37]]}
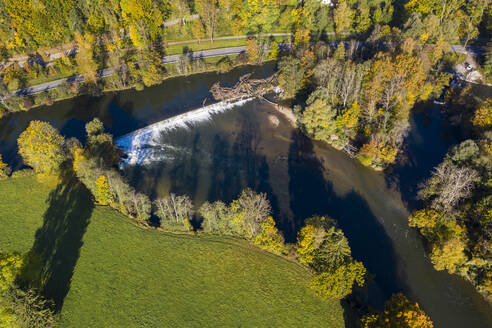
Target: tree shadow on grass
{"points": [[57, 243]]}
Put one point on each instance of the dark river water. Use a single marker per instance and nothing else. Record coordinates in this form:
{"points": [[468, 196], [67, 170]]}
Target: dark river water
{"points": [[254, 145]]}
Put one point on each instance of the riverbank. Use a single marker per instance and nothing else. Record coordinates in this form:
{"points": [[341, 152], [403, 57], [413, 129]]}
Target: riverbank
{"points": [[211, 65]]}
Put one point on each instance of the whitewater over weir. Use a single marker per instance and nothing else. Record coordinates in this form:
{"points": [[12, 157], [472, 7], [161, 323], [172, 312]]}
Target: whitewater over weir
{"points": [[144, 146]]}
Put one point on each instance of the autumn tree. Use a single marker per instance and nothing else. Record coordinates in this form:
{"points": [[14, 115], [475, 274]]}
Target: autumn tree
{"points": [[84, 57], [215, 217], [270, 237], [248, 212], [103, 193], [42, 147], [398, 312], [448, 185], [342, 16], [143, 19], [209, 14], [449, 256], [291, 74], [483, 115], [198, 30], [174, 211], [325, 249], [338, 283], [253, 51], [4, 169]]}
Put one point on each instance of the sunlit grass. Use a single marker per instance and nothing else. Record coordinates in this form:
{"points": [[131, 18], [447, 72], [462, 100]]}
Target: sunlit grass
{"points": [[130, 277]]}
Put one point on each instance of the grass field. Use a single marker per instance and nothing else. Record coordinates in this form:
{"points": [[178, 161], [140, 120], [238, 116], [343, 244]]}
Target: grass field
{"points": [[103, 271]]}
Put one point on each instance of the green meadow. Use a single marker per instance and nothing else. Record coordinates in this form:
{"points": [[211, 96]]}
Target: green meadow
{"points": [[104, 271]]}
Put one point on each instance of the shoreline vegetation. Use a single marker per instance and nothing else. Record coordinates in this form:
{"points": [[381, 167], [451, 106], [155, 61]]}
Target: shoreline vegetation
{"points": [[236, 266]]}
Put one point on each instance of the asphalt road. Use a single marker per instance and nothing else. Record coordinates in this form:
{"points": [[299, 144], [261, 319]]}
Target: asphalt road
{"points": [[108, 71], [174, 58]]}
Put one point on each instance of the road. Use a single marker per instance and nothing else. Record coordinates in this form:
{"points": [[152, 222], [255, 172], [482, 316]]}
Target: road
{"points": [[193, 55], [108, 71]]}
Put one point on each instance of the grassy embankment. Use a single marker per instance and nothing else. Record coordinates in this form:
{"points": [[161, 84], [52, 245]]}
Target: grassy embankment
{"points": [[125, 276]]}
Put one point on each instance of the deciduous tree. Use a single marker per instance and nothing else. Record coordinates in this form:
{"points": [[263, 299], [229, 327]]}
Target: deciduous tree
{"points": [[42, 147], [398, 312]]}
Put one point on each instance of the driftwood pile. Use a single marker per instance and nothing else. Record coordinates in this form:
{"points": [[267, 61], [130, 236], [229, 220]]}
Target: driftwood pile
{"points": [[245, 87]]}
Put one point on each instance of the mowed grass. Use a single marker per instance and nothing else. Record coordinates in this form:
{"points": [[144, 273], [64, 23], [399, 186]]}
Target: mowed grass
{"points": [[125, 276]]}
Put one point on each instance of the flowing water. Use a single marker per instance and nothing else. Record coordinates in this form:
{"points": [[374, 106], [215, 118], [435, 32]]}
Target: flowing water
{"points": [[175, 143]]}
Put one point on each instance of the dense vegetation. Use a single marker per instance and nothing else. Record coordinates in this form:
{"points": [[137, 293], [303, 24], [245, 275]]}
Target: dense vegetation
{"points": [[359, 96], [456, 217]]}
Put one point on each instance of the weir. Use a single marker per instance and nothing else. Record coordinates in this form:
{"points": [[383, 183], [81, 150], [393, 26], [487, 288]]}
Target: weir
{"points": [[144, 146]]}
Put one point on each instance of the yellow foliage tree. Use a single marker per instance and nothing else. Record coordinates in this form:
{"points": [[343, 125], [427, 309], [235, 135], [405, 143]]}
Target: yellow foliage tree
{"points": [[4, 169], [339, 283], [269, 237], [198, 30], [343, 16], [483, 115], [309, 239], [252, 51], [274, 50], [85, 56], [449, 256], [42, 147], [377, 155], [424, 219], [10, 266], [103, 193], [399, 312]]}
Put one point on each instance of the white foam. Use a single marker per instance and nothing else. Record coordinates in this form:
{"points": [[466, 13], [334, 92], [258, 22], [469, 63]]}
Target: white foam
{"points": [[144, 145]]}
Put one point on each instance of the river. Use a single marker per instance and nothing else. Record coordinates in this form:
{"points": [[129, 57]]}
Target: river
{"points": [[215, 157]]}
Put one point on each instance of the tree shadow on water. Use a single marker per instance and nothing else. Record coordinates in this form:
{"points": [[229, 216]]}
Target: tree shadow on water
{"points": [[57, 243], [239, 166], [311, 194]]}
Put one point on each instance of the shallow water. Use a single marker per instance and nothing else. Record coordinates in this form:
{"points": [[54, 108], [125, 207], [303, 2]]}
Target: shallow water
{"points": [[217, 158]]}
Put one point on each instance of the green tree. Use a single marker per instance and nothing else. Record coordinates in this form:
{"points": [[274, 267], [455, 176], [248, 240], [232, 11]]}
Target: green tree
{"points": [[318, 120], [291, 74], [42, 147], [21, 309], [274, 51], [215, 217], [338, 283]]}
